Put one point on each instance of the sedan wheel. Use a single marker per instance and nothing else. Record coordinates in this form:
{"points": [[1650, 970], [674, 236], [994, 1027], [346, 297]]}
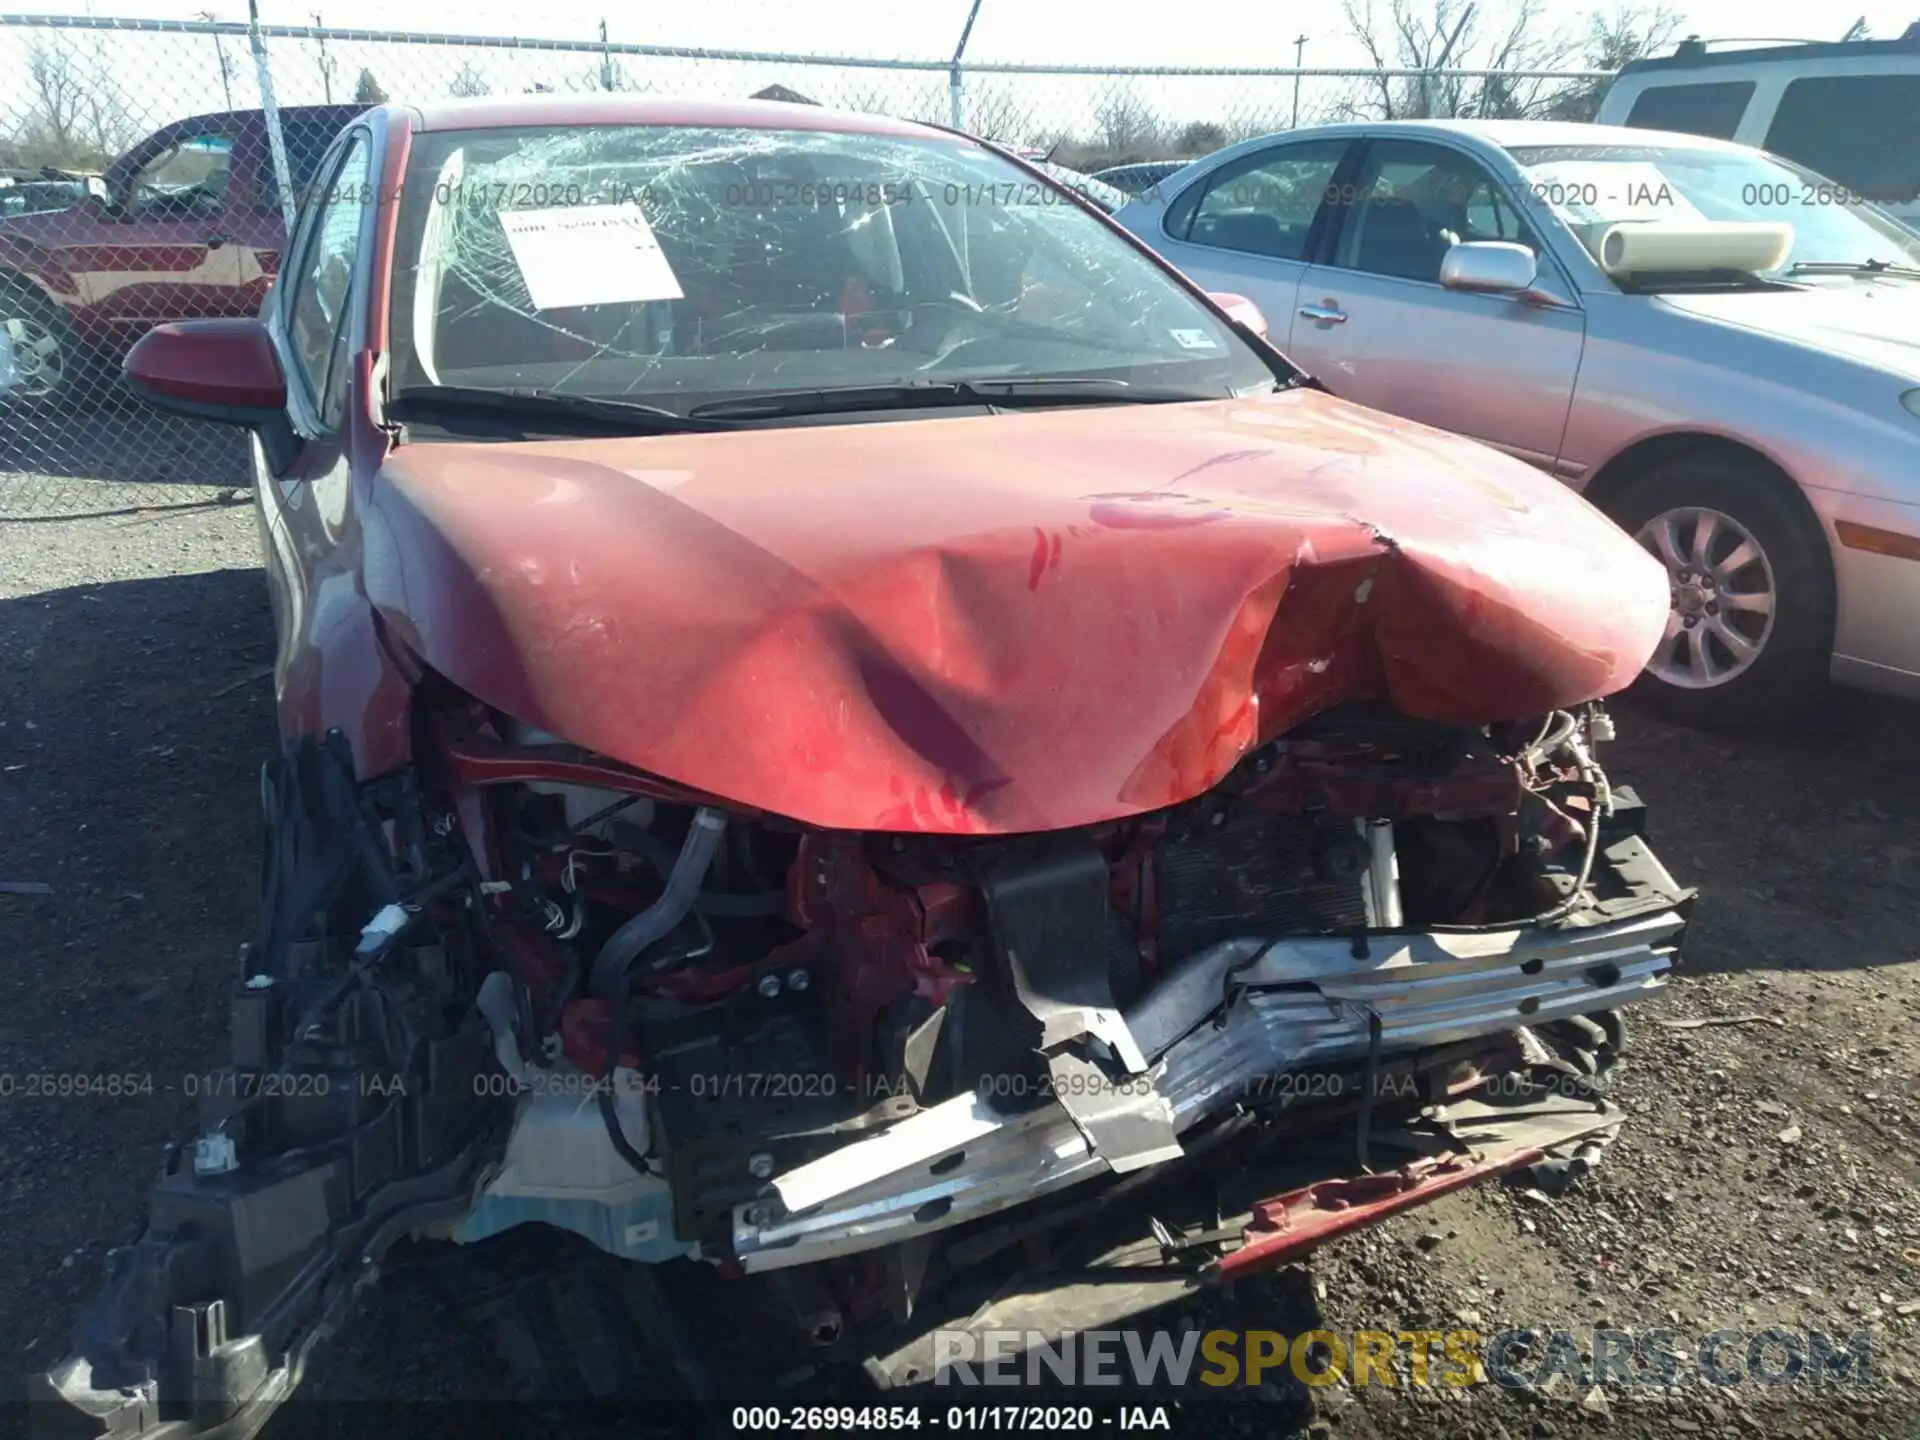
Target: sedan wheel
{"points": [[1722, 594], [1749, 632]]}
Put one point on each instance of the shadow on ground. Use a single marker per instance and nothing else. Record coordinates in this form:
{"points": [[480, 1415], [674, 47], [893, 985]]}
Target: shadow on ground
{"points": [[127, 789], [117, 438], [1804, 842]]}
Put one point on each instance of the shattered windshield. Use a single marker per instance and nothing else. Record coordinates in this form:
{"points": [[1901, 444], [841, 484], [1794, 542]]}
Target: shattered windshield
{"points": [[675, 266], [1592, 187]]}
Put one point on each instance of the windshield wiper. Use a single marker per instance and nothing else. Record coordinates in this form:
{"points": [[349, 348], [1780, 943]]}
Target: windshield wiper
{"points": [[434, 402], [1854, 267], [1657, 282], [929, 394]]}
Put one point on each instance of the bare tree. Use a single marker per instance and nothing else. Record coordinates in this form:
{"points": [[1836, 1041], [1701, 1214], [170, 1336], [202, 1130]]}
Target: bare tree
{"points": [[1632, 32], [1126, 126], [1521, 46], [1433, 41], [56, 99], [75, 117], [1200, 137], [1443, 38], [995, 112]]}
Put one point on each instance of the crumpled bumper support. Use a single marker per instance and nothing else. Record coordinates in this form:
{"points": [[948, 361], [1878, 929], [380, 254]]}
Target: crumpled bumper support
{"points": [[1312, 1192], [1238, 1012]]}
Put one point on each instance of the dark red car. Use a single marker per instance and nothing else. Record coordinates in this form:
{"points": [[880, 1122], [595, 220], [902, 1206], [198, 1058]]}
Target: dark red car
{"points": [[841, 717], [187, 223]]}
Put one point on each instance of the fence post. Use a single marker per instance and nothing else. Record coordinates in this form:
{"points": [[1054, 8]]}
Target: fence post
{"points": [[956, 85], [276, 141]]}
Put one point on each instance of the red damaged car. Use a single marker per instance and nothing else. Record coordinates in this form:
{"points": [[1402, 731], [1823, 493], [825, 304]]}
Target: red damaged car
{"points": [[840, 717]]}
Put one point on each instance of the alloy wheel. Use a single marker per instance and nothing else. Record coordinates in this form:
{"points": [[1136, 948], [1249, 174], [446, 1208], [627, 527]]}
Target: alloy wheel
{"points": [[38, 363], [1722, 596]]}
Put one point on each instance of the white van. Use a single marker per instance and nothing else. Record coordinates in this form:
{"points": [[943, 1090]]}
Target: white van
{"points": [[1848, 110]]}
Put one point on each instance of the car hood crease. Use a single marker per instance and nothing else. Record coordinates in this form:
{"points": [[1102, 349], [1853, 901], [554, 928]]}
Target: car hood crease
{"points": [[994, 624]]}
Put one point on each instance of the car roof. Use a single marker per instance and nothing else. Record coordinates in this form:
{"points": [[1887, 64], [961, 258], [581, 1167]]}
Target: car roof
{"points": [[1691, 55], [507, 112], [1503, 134]]}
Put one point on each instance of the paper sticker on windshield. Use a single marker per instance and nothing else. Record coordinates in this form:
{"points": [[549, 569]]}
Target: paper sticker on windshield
{"points": [[1600, 192], [1194, 340], [588, 255]]}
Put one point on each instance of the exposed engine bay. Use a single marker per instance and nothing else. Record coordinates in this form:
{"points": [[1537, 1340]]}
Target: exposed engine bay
{"points": [[521, 983]]}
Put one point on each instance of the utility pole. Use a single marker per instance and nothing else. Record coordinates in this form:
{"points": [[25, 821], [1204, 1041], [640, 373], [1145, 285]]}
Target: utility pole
{"points": [[606, 59], [1299, 48], [1446, 52], [326, 64], [220, 49]]}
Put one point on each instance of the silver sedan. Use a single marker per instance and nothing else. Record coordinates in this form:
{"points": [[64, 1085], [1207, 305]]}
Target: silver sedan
{"points": [[1720, 349]]}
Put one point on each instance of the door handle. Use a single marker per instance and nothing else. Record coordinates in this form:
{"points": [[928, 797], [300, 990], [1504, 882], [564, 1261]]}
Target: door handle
{"points": [[1327, 312]]}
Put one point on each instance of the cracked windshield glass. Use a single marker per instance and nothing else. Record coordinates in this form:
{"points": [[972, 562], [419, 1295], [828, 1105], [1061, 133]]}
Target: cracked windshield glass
{"points": [[676, 267]]}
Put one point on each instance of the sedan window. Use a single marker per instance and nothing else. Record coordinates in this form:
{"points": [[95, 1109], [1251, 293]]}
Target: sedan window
{"points": [[1264, 204], [1413, 202], [318, 311]]}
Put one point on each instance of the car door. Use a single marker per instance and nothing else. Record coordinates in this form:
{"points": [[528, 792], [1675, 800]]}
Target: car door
{"points": [[164, 252], [314, 312], [1376, 326], [1248, 226]]}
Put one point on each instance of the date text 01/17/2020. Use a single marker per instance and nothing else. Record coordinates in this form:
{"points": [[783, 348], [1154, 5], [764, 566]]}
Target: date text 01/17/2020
{"points": [[961, 1419]]}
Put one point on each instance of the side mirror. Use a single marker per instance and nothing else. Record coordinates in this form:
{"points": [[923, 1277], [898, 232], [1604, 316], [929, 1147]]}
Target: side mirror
{"points": [[220, 370], [97, 192], [1240, 310], [1490, 267]]}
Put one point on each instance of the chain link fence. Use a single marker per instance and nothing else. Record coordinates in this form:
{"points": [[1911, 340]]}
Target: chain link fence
{"points": [[141, 165]]}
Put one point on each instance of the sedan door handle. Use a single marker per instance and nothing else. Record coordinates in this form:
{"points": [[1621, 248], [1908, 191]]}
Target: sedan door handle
{"points": [[1328, 312]]}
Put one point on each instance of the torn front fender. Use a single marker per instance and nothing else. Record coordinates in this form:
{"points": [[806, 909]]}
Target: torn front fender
{"points": [[1000, 623]]}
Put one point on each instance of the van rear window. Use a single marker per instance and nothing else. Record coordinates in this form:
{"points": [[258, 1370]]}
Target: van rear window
{"points": [[1711, 110], [1861, 130]]}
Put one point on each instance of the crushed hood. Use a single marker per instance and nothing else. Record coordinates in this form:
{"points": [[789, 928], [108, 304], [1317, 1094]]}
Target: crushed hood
{"points": [[1000, 623]]}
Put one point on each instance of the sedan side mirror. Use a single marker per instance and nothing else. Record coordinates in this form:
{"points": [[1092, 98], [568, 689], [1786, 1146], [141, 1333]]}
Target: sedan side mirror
{"points": [[1240, 310], [1490, 267], [221, 370]]}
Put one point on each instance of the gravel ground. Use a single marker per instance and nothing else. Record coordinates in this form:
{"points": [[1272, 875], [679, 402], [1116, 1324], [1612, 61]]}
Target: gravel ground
{"points": [[1767, 1175]]}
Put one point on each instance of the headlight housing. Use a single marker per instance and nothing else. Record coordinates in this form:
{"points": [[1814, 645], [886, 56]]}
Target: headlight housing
{"points": [[1912, 401]]}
